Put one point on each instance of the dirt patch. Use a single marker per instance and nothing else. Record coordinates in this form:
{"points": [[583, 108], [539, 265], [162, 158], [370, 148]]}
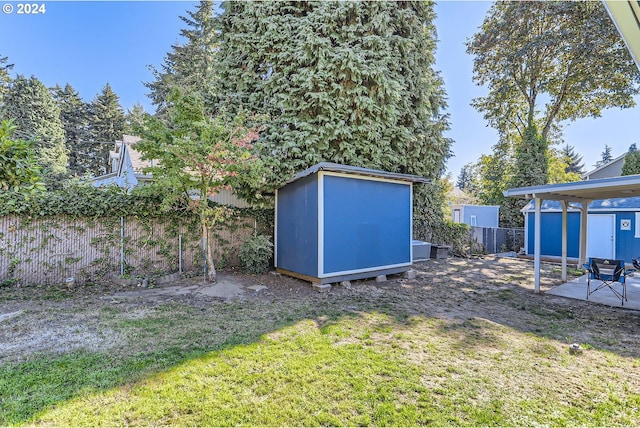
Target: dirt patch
{"points": [[36, 320]]}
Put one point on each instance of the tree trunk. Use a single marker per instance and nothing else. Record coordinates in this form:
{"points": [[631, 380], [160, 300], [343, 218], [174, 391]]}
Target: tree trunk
{"points": [[210, 267]]}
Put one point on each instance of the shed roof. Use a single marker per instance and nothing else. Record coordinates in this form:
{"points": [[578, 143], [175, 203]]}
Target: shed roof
{"points": [[348, 169]]}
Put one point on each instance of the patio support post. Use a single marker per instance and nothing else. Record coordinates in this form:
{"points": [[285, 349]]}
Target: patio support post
{"points": [[583, 235], [564, 241], [536, 246]]}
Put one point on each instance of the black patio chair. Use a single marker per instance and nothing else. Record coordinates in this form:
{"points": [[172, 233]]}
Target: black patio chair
{"points": [[608, 272]]}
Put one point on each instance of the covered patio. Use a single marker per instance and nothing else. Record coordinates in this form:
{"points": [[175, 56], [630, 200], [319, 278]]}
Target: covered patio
{"points": [[580, 193], [626, 17], [577, 289]]}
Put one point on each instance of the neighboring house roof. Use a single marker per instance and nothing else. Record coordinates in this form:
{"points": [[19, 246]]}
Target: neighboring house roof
{"points": [[127, 166], [618, 204], [124, 174], [609, 169], [136, 157]]}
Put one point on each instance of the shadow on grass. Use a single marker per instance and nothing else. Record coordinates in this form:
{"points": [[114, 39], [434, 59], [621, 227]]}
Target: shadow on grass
{"points": [[176, 335], [30, 388]]}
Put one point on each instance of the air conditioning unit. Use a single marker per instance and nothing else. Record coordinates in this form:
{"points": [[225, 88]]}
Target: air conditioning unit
{"points": [[421, 250]]}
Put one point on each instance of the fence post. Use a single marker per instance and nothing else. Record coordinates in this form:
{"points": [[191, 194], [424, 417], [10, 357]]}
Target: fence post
{"points": [[121, 246], [180, 252]]}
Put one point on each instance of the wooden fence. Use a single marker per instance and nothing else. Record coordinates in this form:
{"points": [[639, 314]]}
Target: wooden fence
{"points": [[50, 250]]}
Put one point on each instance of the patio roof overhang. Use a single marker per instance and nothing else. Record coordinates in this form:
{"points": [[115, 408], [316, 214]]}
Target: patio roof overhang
{"points": [[626, 17], [580, 191]]}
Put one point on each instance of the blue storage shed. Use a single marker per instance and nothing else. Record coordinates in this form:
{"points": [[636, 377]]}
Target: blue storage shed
{"points": [[338, 222], [613, 229]]}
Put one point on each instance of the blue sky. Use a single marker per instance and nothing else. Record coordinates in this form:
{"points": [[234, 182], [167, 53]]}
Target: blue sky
{"points": [[88, 44]]}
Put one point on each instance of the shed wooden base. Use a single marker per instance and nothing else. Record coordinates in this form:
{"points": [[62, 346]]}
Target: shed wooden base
{"points": [[349, 277]]}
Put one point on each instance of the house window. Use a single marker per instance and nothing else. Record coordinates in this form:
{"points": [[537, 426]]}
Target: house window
{"points": [[637, 229], [474, 222]]}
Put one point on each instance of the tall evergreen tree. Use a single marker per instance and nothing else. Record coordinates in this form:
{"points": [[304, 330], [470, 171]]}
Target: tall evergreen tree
{"points": [[29, 104], [531, 165], [575, 163], [74, 114], [106, 124], [134, 119], [467, 179], [189, 66], [530, 168], [605, 156], [5, 78], [631, 163], [348, 82]]}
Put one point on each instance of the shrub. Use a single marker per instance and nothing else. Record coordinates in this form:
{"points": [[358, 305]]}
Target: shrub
{"points": [[458, 235], [255, 254]]}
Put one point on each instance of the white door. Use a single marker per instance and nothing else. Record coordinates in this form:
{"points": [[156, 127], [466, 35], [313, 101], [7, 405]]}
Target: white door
{"points": [[601, 236]]}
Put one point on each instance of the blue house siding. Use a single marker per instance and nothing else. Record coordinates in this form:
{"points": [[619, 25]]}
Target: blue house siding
{"points": [[626, 247], [297, 227], [367, 223], [551, 243]]}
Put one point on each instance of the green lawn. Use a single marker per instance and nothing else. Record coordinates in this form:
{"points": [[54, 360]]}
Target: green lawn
{"points": [[347, 361]]}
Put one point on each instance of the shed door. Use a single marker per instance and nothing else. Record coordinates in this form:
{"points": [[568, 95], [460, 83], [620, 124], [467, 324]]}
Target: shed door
{"points": [[601, 235]]}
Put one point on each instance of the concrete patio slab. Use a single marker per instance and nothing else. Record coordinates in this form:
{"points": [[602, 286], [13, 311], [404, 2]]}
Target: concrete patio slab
{"points": [[577, 289]]}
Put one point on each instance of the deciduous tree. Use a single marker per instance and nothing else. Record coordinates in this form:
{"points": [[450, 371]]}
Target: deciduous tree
{"points": [[560, 164], [19, 170], [198, 156], [538, 61]]}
